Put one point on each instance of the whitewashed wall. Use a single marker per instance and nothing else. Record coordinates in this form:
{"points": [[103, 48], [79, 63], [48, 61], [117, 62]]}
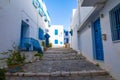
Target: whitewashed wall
{"points": [[59, 37], [11, 15], [74, 26], [86, 43], [111, 49], [84, 12]]}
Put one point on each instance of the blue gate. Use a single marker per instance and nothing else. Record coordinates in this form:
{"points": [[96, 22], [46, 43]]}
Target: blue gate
{"points": [[99, 55]]}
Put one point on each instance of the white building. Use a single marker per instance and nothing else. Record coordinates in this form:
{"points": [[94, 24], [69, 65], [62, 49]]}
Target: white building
{"points": [[98, 33], [73, 26], [56, 33], [22, 22]]}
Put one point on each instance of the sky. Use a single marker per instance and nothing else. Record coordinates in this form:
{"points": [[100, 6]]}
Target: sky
{"points": [[60, 11]]}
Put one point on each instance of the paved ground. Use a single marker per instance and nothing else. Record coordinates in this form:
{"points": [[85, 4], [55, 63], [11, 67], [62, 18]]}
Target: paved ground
{"points": [[61, 61]]}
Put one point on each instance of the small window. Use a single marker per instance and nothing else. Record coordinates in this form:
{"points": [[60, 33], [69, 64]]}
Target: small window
{"points": [[41, 34], [66, 33], [115, 23], [61, 43], [67, 40], [56, 41], [56, 32]]}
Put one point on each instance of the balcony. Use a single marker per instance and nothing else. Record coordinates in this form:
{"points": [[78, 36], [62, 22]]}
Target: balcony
{"points": [[91, 2]]}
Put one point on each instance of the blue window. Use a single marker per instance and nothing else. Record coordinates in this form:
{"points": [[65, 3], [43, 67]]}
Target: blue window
{"points": [[61, 43], [41, 34], [67, 40], [56, 41], [115, 22], [56, 32], [66, 33]]}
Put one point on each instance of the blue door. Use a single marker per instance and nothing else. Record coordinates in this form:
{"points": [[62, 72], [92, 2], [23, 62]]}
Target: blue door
{"points": [[99, 55], [24, 34]]}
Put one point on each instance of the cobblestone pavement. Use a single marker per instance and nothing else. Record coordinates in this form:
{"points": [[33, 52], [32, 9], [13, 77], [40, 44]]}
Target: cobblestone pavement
{"points": [[61, 60]]}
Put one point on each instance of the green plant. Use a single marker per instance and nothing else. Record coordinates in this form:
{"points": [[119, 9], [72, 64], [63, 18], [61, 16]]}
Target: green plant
{"points": [[97, 64], [50, 45], [15, 59], [40, 55], [43, 43], [2, 74]]}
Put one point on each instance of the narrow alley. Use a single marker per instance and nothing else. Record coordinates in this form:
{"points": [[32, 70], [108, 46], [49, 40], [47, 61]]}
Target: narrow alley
{"points": [[61, 64]]}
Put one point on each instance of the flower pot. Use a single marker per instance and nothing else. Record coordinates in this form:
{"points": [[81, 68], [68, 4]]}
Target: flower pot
{"points": [[45, 49]]}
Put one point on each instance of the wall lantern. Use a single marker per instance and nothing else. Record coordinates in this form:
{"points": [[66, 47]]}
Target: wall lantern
{"points": [[104, 37], [102, 15]]}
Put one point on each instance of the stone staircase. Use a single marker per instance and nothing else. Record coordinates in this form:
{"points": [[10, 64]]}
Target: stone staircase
{"points": [[61, 64]]}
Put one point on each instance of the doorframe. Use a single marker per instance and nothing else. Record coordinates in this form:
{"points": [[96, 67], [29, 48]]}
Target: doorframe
{"points": [[93, 40], [21, 30]]}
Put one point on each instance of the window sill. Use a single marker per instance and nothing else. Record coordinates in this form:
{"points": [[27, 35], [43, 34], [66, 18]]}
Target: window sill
{"points": [[117, 41]]}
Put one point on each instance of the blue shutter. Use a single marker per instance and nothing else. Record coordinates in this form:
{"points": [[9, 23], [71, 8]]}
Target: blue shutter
{"points": [[115, 22], [41, 34], [56, 32], [56, 41]]}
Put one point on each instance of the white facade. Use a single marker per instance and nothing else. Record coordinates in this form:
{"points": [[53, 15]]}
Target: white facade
{"points": [[58, 35], [73, 26], [12, 13], [92, 12]]}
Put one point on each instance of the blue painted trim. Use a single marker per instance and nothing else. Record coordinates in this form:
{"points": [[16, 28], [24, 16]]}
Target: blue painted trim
{"points": [[31, 42], [24, 27], [61, 43], [56, 41], [56, 32], [114, 21], [94, 43], [41, 34]]}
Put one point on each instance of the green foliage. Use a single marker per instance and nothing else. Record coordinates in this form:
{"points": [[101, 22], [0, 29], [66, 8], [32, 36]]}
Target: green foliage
{"points": [[43, 43], [50, 45], [97, 64], [16, 58], [2, 74], [40, 55]]}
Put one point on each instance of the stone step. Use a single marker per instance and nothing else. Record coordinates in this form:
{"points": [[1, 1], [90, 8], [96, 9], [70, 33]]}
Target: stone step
{"points": [[61, 78], [59, 52], [73, 75], [60, 73], [59, 65], [62, 57]]}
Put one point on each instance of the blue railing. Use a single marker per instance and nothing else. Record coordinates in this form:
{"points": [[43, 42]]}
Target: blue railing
{"points": [[27, 43]]}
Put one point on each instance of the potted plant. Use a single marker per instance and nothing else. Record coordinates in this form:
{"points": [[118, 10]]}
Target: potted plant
{"points": [[15, 61], [43, 43], [2, 74], [44, 47]]}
